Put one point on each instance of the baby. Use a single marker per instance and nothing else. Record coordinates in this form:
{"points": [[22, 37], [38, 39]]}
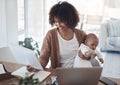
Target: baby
{"points": [[88, 48]]}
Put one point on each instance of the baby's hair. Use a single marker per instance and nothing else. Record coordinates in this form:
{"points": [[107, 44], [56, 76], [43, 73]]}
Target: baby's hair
{"points": [[89, 36]]}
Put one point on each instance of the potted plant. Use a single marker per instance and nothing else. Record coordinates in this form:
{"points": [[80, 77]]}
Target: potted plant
{"points": [[28, 80], [30, 44]]}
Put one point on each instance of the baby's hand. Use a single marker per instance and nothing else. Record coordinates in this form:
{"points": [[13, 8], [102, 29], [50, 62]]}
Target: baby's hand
{"points": [[101, 60]]}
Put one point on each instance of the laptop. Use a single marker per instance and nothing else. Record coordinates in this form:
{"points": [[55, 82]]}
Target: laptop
{"points": [[78, 76]]}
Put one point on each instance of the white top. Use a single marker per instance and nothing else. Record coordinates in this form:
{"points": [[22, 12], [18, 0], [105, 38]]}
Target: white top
{"points": [[85, 63], [85, 48], [68, 50]]}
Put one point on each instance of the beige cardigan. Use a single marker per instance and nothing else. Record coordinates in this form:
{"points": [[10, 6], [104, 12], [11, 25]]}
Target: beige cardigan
{"points": [[50, 47]]}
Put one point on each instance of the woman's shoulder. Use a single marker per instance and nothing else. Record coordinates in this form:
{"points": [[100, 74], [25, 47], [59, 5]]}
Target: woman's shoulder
{"points": [[76, 30], [52, 32]]}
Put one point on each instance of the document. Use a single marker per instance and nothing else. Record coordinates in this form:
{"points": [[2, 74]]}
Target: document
{"points": [[2, 71], [6, 55], [22, 72], [20, 55]]}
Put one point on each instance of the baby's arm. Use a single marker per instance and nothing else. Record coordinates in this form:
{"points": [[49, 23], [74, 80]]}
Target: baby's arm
{"points": [[88, 53], [99, 55], [82, 56], [84, 50]]}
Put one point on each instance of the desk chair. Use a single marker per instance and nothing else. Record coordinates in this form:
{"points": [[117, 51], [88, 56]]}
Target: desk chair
{"points": [[95, 63]]}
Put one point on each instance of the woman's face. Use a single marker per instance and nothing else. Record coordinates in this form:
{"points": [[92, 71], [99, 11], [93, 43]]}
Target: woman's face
{"points": [[60, 24]]}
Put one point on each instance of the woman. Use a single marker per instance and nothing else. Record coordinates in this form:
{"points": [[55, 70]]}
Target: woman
{"points": [[61, 43]]}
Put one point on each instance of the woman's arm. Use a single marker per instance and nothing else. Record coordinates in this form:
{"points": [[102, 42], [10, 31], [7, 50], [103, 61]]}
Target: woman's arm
{"points": [[45, 50], [44, 53]]}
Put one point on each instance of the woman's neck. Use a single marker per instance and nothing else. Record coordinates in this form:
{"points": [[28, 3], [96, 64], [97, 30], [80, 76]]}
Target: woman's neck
{"points": [[66, 34]]}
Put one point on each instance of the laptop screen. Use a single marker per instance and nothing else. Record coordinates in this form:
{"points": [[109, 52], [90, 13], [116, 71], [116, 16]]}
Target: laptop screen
{"points": [[78, 76]]}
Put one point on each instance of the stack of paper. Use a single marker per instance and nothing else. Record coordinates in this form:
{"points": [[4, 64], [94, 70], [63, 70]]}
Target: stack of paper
{"points": [[2, 71]]}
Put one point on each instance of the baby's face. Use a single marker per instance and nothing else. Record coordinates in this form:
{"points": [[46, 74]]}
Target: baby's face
{"points": [[92, 43]]}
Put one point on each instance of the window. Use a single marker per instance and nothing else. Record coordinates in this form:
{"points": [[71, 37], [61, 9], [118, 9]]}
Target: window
{"points": [[33, 16], [20, 4], [91, 12], [21, 19]]}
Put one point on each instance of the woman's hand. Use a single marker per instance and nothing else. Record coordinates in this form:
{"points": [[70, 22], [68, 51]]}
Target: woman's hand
{"points": [[31, 69]]}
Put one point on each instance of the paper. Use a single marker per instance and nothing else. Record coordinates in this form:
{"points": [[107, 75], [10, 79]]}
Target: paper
{"points": [[41, 75], [19, 54], [2, 71], [7, 55], [22, 72]]}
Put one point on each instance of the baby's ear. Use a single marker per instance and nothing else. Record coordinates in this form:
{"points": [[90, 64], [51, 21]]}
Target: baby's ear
{"points": [[85, 41]]}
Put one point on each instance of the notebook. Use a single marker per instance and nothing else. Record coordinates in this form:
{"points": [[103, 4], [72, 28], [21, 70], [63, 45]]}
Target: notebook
{"points": [[78, 76]]}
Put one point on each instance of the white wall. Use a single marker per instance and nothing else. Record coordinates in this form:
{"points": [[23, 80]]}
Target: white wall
{"points": [[8, 22], [3, 34], [112, 12]]}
